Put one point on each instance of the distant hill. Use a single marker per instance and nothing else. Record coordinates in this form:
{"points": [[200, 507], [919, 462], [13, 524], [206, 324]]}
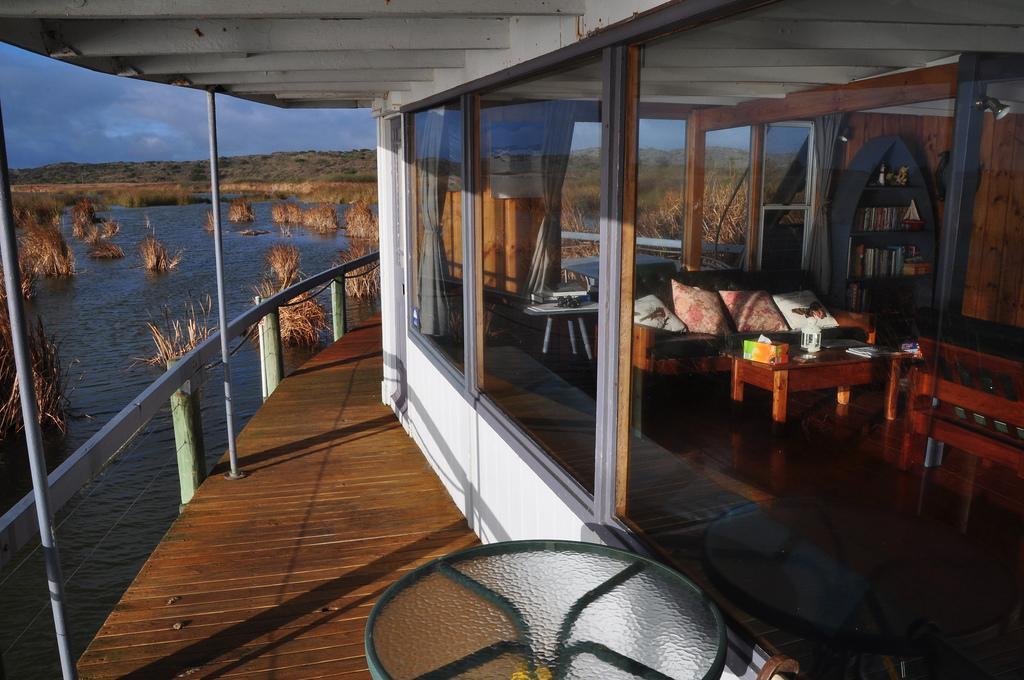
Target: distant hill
{"points": [[285, 166]]}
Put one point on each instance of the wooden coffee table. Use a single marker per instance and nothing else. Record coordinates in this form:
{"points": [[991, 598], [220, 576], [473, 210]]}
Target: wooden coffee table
{"points": [[829, 368]]}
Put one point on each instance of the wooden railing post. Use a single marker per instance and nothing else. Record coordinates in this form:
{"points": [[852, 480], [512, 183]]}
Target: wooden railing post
{"points": [[271, 359], [188, 437], [338, 306]]}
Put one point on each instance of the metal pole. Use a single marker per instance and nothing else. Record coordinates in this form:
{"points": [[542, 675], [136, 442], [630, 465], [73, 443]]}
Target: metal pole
{"points": [[218, 251], [30, 416]]}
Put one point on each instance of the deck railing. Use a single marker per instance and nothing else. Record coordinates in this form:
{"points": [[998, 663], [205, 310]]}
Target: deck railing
{"points": [[18, 526]]}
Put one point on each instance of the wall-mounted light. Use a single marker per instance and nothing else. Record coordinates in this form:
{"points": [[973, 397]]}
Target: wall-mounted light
{"points": [[846, 135], [998, 109]]}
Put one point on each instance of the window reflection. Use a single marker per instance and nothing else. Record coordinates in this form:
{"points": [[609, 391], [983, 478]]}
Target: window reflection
{"points": [[437, 311], [804, 416], [540, 169]]}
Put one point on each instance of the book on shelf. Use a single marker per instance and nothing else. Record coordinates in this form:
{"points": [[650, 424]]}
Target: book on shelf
{"points": [[889, 218], [868, 263]]}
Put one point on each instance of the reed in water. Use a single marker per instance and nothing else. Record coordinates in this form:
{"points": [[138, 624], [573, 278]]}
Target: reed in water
{"points": [[46, 252], [241, 210], [48, 377], [173, 338], [302, 319]]}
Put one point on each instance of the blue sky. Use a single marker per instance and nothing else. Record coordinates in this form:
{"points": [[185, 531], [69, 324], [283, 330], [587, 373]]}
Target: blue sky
{"points": [[57, 112]]}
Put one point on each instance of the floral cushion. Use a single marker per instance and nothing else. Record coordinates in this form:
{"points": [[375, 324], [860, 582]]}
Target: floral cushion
{"points": [[701, 310], [753, 311], [650, 311], [800, 306]]}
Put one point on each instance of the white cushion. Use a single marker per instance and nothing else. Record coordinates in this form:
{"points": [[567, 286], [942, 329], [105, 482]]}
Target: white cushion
{"points": [[801, 305], [650, 311]]}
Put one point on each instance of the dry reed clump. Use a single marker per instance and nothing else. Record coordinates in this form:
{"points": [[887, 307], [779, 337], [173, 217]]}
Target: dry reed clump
{"points": [[48, 377], [174, 338], [110, 228], [83, 214], [105, 250], [301, 319], [360, 222], [725, 209], [46, 252], [322, 218], [283, 261], [241, 210], [209, 221], [36, 211], [28, 278], [286, 213], [362, 283], [147, 196], [155, 257]]}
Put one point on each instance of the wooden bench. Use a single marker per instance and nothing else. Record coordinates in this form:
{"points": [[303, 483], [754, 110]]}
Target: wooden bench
{"points": [[969, 400]]}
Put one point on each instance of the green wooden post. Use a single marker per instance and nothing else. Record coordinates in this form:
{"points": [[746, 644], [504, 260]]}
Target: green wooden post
{"points": [[273, 359], [188, 437], [338, 306]]}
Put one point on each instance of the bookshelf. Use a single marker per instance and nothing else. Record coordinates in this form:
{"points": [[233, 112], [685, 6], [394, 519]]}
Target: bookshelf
{"points": [[880, 261]]}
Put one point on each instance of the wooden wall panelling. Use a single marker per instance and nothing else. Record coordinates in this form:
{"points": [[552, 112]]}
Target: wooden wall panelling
{"points": [[1011, 285], [979, 227], [999, 167]]}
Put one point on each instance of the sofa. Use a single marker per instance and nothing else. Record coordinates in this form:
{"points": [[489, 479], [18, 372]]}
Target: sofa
{"points": [[665, 352]]}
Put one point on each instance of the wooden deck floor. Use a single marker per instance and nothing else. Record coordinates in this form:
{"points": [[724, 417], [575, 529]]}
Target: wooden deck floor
{"points": [[273, 576]]}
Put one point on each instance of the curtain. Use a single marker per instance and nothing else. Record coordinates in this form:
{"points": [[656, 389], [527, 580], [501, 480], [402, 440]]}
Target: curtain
{"points": [[432, 167], [826, 141], [546, 264]]}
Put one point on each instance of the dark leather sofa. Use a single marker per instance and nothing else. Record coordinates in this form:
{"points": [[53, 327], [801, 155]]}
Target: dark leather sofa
{"points": [[665, 352]]}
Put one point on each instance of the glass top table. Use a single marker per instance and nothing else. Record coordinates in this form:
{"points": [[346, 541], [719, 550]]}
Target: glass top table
{"points": [[540, 610]]}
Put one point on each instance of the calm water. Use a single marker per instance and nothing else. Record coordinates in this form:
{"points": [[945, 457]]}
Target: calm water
{"points": [[107, 532]]}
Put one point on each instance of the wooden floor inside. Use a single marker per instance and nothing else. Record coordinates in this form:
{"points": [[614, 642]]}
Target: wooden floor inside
{"points": [[273, 576]]}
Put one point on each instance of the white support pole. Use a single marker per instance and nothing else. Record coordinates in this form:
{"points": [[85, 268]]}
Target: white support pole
{"points": [[30, 416], [218, 250]]}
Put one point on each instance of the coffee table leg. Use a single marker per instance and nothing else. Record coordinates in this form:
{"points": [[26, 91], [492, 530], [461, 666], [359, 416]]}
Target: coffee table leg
{"points": [[843, 395], [892, 389], [572, 335], [547, 336], [737, 383], [780, 395]]}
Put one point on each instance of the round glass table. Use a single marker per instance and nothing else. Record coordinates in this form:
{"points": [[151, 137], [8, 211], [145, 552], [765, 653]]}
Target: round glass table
{"points": [[540, 610]]}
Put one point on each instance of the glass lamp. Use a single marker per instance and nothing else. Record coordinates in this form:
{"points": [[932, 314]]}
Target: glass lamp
{"points": [[810, 336]]}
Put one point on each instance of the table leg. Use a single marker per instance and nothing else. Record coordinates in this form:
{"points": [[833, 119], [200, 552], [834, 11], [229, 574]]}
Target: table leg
{"points": [[843, 395], [737, 383], [892, 390], [780, 395], [547, 336], [572, 335], [586, 338]]}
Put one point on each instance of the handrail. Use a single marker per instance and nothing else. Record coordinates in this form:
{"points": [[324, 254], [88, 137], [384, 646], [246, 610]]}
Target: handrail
{"points": [[18, 525]]}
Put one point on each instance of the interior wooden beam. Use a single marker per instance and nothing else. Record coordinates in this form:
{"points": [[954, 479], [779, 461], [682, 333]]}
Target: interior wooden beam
{"points": [[926, 84]]}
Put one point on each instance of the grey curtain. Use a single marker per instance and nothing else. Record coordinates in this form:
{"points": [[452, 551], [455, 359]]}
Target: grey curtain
{"points": [[826, 142], [546, 264], [432, 167]]}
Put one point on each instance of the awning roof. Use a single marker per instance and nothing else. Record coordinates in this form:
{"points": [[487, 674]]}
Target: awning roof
{"points": [[358, 53]]}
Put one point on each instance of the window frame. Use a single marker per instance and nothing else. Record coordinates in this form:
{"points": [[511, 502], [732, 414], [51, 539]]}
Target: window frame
{"points": [[808, 207]]}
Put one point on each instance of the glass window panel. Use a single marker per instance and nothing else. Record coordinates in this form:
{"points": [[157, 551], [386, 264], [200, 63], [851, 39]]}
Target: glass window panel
{"points": [[786, 163], [782, 241], [781, 485], [540, 162], [726, 198], [436, 303], [661, 179]]}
